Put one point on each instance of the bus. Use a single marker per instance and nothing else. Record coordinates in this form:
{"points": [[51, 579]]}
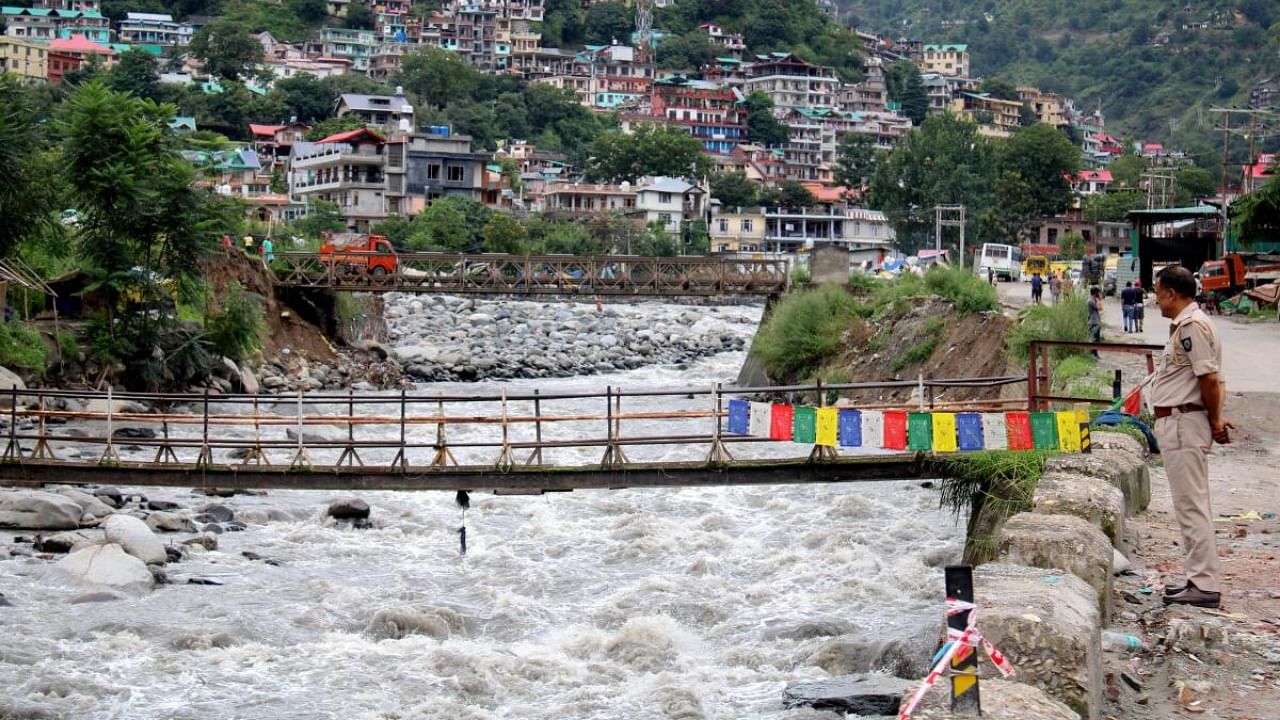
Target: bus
{"points": [[1005, 260]]}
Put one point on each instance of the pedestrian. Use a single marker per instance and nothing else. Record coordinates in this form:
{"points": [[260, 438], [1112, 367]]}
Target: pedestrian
{"points": [[1188, 395], [1055, 286], [1095, 316], [1068, 285], [1037, 288], [1139, 303], [991, 276], [1126, 306], [268, 250], [248, 244]]}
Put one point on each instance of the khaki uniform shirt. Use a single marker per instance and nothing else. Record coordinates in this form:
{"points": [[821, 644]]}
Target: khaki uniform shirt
{"points": [[1192, 350]]}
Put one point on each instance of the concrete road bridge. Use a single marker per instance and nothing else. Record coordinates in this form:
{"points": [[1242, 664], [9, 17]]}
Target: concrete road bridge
{"points": [[608, 275]]}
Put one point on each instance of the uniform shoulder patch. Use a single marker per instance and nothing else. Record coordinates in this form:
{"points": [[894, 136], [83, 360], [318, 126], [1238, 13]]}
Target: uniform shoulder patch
{"points": [[1186, 344]]}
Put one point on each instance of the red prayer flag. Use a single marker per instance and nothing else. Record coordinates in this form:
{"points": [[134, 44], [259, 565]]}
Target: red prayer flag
{"points": [[895, 430], [780, 420], [1133, 402], [1019, 424]]}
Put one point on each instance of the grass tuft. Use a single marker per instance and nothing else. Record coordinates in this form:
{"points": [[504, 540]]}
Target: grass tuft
{"points": [[992, 486]]}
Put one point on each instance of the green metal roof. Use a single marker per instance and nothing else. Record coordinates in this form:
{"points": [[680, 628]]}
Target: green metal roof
{"points": [[953, 47], [1181, 213]]}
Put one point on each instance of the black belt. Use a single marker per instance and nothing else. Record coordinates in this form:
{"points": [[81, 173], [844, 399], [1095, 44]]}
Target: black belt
{"points": [[1162, 412]]}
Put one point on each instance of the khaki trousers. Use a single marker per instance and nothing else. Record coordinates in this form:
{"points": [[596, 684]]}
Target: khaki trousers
{"points": [[1184, 442]]}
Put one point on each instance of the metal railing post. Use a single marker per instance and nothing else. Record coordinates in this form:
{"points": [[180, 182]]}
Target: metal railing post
{"points": [[535, 457], [14, 450], [402, 457], [965, 700], [301, 458], [109, 454], [205, 458], [719, 454]]}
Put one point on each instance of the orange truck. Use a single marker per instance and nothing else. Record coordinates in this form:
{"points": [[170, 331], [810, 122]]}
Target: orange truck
{"points": [[352, 254], [1236, 272]]}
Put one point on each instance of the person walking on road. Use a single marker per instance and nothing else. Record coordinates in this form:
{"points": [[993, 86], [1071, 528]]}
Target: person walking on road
{"points": [[1188, 395], [1095, 316], [1055, 286], [1037, 288], [1126, 306], [1139, 301]]}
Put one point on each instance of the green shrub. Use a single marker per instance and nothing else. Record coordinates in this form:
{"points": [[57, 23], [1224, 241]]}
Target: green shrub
{"points": [[1068, 320], [21, 346], [966, 290], [233, 330], [800, 277], [922, 350], [805, 329], [68, 345]]}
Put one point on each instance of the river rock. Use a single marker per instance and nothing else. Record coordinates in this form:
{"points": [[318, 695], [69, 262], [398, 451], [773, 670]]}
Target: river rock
{"points": [[162, 505], [1001, 700], [37, 510], [855, 694], [134, 433], [135, 538], [318, 434], [107, 565], [218, 513], [61, 543], [95, 597], [162, 521], [110, 495], [349, 509], [89, 504], [208, 541]]}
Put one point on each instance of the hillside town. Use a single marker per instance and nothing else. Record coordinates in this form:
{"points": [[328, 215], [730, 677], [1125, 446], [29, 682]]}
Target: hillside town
{"points": [[393, 165]]}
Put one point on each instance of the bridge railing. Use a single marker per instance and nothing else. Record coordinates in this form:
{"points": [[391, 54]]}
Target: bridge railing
{"points": [[415, 431], [532, 274]]}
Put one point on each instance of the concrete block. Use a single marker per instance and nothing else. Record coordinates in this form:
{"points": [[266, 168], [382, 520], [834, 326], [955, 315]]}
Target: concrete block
{"points": [[1001, 700], [1065, 542], [1092, 499], [1121, 468], [1103, 440], [1047, 623]]}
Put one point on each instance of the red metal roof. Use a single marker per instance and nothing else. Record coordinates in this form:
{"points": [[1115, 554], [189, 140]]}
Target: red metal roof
{"points": [[79, 44], [264, 129], [350, 135]]}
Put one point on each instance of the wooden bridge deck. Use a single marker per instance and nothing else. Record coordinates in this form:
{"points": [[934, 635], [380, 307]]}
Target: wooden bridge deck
{"points": [[491, 274]]}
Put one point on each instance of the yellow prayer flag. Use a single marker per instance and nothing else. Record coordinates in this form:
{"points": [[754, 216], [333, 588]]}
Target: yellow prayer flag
{"points": [[1068, 431], [944, 432], [1082, 412], [828, 427]]}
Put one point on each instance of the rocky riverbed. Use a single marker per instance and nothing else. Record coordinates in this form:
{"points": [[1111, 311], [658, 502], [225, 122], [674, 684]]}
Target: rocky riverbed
{"points": [[443, 338]]}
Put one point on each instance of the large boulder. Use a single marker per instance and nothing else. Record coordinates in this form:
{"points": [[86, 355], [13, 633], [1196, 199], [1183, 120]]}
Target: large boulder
{"points": [[37, 510], [1048, 625], [9, 380], [107, 565], [136, 538], [165, 521], [1065, 542], [856, 694], [1001, 700], [89, 504], [1103, 440], [1121, 468], [348, 509], [1089, 498]]}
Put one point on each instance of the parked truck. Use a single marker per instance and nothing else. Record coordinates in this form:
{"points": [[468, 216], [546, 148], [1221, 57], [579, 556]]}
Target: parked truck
{"points": [[1237, 272], [358, 254]]}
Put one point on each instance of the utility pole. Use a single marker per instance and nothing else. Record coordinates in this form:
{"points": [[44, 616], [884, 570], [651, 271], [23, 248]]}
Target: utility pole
{"points": [[948, 216], [1227, 131], [1166, 179]]}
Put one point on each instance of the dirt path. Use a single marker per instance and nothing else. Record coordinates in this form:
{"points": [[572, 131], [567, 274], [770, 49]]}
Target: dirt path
{"points": [[1205, 663]]}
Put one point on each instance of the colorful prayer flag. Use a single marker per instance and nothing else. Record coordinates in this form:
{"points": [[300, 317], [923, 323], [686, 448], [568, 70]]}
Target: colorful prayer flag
{"points": [[895, 430], [1044, 430], [739, 417], [804, 425], [872, 429], [780, 421], [969, 431], [944, 432], [1068, 431], [995, 431], [828, 433], [919, 432], [759, 422], [1019, 424], [850, 428]]}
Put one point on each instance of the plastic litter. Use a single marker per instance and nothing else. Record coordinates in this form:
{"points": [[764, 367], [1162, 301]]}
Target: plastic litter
{"points": [[1121, 642]]}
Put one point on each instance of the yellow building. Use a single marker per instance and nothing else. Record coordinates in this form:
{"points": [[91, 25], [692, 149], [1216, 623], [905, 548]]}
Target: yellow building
{"points": [[737, 230], [27, 59], [995, 117], [1048, 107], [951, 60]]}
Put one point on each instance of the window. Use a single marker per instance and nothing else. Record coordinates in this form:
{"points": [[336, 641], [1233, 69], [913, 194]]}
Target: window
{"points": [[747, 226], [433, 172], [664, 198], [665, 218], [724, 225], [456, 173]]}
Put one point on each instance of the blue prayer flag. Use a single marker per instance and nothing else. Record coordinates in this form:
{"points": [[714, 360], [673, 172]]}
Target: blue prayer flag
{"points": [[850, 428], [739, 417], [969, 428]]}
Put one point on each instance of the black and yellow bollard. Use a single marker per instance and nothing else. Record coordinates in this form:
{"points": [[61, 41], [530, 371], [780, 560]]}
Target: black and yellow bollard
{"points": [[964, 664], [1082, 417]]}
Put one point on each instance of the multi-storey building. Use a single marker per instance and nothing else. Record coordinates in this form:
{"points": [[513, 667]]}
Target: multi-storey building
{"points": [[347, 44], [273, 143], [27, 59], [807, 155], [995, 117], [392, 113], [79, 5], [709, 111], [943, 90], [791, 82], [1048, 107], [154, 29], [1091, 182], [870, 95], [727, 71], [731, 44], [578, 201], [49, 24], [790, 230], [477, 29], [346, 169], [736, 230], [951, 60], [672, 203], [80, 50], [615, 76], [424, 166]]}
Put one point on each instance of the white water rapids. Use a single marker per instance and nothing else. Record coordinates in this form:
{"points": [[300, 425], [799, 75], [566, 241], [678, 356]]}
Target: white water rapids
{"points": [[618, 605]]}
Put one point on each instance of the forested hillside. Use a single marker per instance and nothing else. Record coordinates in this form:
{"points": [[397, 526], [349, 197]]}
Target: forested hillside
{"points": [[1154, 66]]}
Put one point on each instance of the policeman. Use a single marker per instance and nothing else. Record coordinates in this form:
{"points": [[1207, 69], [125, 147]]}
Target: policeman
{"points": [[1188, 398]]}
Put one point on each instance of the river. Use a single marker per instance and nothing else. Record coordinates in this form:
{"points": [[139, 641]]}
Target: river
{"points": [[623, 604]]}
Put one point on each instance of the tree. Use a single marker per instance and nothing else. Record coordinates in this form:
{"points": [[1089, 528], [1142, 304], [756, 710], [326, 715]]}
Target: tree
{"points": [[227, 49], [27, 187], [1126, 171], [733, 189], [649, 150], [359, 16], [333, 126], [691, 50], [438, 77], [999, 88], [762, 127], [504, 234], [1112, 207], [1071, 246], [137, 73], [1011, 211], [787, 194], [1044, 157], [312, 12], [855, 159], [943, 162], [1256, 216], [904, 86], [609, 23], [1192, 183], [304, 97], [442, 226], [321, 217]]}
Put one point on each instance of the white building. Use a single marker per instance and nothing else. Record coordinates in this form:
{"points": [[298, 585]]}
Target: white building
{"points": [[671, 202]]}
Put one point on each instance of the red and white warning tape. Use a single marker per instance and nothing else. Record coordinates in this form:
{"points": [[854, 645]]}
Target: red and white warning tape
{"points": [[959, 643]]}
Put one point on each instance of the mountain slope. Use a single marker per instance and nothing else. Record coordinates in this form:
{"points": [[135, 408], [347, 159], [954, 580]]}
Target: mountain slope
{"points": [[1153, 66]]}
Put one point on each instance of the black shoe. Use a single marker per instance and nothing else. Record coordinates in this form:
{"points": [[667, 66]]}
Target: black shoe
{"points": [[1194, 596], [1175, 589]]}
